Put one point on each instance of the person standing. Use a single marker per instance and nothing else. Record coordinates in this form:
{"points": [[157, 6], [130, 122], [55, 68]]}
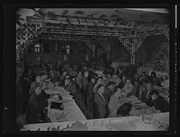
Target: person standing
{"points": [[114, 102], [85, 83], [109, 90], [100, 103], [90, 96]]}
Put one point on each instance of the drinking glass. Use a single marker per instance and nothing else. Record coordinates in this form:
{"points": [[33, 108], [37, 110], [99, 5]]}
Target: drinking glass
{"points": [[147, 117]]}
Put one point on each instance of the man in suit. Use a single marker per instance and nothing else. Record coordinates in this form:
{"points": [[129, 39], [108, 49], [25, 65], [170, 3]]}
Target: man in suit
{"points": [[114, 102], [145, 95], [85, 83], [35, 112], [70, 86], [158, 101], [100, 102], [109, 90], [35, 84]]}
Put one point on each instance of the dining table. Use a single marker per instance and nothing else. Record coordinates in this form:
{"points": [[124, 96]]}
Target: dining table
{"points": [[70, 111], [138, 107], [159, 122]]}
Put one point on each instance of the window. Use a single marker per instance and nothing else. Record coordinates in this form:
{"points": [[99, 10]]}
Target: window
{"points": [[37, 48]]}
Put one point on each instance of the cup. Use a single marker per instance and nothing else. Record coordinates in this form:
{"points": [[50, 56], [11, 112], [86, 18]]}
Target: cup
{"points": [[147, 117]]}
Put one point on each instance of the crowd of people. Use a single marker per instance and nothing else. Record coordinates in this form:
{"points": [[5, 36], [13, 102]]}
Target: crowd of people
{"points": [[97, 95]]}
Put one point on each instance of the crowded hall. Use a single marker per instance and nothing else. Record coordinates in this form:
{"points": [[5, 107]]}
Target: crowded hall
{"points": [[92, 69]]}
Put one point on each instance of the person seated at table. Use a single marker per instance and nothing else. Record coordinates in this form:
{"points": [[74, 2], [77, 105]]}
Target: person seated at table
{"points": [[154, 80], [143, 77], [145, 95], [109, 90], [85, 83], [44, 77], [128, 87], [54, 75], [61, 78], [35, 84], [136, 88], [119, 82], [142, 88], [158, 101], [114, 77], [36, 110], [124, 110], [124, 80], [114, 102], [100, 103], [70, 86], [99, 81], [79, 79]]}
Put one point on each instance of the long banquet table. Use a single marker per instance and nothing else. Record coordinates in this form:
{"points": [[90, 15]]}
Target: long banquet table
{"points": [[75, 120], [71, 109], [160, 122]]}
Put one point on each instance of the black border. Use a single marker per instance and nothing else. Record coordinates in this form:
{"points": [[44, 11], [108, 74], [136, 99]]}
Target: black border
{"points": [[9, 62]]}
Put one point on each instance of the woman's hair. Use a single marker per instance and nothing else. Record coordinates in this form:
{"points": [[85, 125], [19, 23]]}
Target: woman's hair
{"points": [[154, 92], [153, 73], [110, 83], [124, 109], [99, 86]]}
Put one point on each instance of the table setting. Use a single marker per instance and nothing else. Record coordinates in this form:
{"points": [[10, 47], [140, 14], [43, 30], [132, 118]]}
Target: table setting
{"points": [[157, 122]]}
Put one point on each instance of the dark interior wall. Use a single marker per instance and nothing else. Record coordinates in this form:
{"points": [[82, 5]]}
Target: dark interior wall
{"points": [[118, 51], [75, 57], [149, 47]]}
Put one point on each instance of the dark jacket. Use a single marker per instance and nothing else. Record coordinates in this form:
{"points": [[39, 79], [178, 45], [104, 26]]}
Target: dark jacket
{"points": [[33, 86], [84, 82], [36, 109], [100, 105], [71, 87], [107, 93], [161, 104]]}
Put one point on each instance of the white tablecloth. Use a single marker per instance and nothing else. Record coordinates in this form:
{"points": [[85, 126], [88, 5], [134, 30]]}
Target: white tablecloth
{"points": [[132, 123], [138, 107], [70, 107]]}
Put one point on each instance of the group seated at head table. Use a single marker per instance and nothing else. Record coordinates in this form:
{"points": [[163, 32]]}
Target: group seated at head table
{"points": [[98, 96]]}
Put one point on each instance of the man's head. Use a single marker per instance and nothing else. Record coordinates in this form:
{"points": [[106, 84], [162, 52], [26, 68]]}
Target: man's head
{"points": [[67, 81], [93, 79], [149, 86], [99, 80], [111, 85], [154, 95], [124, 79], [136, 83], [38, 90], [100, 88], [128, 81], [38, 78], [143, 75], [118, 80], [118, 91], [80, 73], [86, 74], [153, 74], [64, 73], [44, 76]]}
